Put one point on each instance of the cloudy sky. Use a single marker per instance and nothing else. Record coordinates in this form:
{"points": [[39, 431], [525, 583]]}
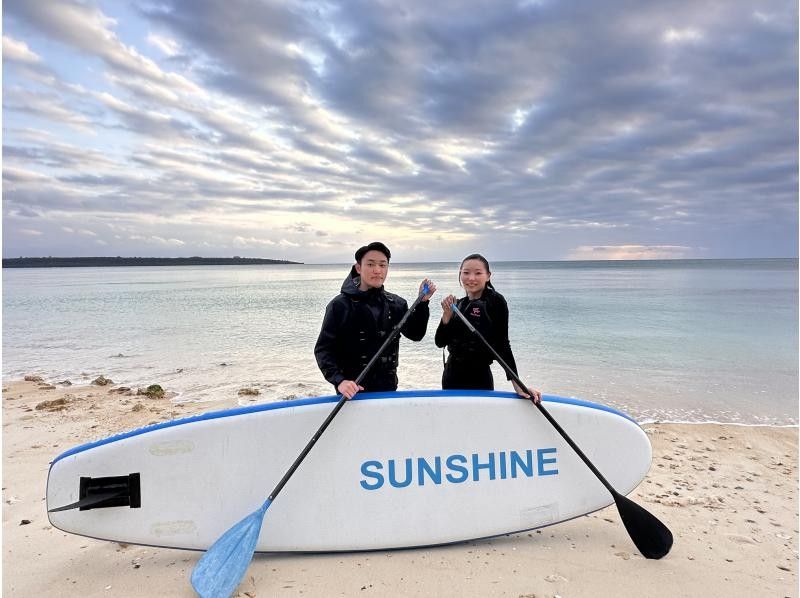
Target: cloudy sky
{"points": [[300, 130]]}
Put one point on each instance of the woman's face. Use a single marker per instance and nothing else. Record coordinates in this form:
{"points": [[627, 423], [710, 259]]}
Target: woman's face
{"points": [[474, 276]]}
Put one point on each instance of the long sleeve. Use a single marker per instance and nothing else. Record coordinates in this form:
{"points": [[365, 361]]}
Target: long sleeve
{"points": [[325, 349], [454, 332], [417, 324], [444, 333]]}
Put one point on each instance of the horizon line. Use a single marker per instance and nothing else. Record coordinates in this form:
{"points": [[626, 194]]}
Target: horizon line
{"points": [[443, 261]]}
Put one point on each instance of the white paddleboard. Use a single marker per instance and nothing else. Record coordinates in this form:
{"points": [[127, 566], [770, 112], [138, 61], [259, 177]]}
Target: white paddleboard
{"points": [[401, 469]]}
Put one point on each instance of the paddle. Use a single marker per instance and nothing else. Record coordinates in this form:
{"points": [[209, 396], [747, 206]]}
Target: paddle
{"points": [[651, 537], [221, 568]]}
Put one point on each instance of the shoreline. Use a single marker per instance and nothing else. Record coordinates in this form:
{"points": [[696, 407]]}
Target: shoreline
{"points": [[728, 492], [229, 401], [713, 423]]}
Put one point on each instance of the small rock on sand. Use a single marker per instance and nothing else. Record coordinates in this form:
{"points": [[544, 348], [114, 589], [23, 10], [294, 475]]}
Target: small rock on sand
{"points": [[121, 390], [154, 391], [625, 556], [54, 405]]}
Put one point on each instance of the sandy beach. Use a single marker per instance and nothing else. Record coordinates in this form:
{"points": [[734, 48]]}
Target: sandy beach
{"points": [[728, 493]]}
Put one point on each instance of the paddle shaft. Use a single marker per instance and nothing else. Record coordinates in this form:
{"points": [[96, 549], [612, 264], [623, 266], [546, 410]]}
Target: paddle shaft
{"points": [[343, 399], [541, 407]]}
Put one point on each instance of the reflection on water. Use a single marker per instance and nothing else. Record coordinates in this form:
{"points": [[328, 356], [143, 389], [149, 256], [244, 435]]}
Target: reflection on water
{"points": [[694, 340]]}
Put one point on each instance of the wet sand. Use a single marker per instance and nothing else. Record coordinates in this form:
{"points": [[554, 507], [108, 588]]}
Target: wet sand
{"points": [[728, 493]]}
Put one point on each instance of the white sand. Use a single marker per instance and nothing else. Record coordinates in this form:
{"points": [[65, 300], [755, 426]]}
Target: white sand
{"points": [[728, 493]]}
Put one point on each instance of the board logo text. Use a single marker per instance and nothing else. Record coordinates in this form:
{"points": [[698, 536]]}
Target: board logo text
{"points": [[458, 469]]}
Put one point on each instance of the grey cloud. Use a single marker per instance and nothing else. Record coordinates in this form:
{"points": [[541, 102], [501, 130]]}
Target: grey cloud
{"points": [[87, 29], [565, 117], [56, 155], [92, 180], [44, 105], [23, 212]]}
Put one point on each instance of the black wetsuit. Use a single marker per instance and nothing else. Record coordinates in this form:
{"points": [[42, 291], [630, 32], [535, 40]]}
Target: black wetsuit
{"points": [[468, 365], [355, 326]]}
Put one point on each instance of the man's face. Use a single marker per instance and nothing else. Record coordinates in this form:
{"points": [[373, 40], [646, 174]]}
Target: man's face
{"points": [[373, 269]]}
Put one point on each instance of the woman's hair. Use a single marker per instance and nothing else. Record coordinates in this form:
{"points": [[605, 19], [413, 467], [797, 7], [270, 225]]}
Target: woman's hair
{"points": [[476, 256]]}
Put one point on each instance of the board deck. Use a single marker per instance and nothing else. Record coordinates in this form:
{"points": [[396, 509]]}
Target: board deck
{"points": [[401, 469]]}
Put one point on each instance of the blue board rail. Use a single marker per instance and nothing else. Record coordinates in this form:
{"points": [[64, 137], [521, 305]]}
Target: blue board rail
{"points": [[364, 396]]}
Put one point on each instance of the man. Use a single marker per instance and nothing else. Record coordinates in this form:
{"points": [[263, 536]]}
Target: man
{"points": [[358, 320]]}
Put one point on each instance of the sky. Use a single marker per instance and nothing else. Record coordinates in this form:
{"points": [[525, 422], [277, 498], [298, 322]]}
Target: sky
{"points": [[529, 130]]}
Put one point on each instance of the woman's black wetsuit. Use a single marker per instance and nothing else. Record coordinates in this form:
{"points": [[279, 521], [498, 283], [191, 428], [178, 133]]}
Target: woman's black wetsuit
{"points": [[468, 365]]}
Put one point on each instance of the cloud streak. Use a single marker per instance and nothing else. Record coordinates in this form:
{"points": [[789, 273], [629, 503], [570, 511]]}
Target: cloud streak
{"points": [[528, 131]]}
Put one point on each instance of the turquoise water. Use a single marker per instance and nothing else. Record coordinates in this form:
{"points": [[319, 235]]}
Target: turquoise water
{"points": [[707, 340]]}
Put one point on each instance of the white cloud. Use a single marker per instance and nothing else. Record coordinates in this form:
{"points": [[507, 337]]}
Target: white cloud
{"points": [[168, 46], [240, 241], [46, 106], [685, 35], [630, 252], [171, 241], [156, 240], [576, 130], [18, 51], [16, 174]]}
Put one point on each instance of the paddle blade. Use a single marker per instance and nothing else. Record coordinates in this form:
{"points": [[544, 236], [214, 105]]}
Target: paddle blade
{"points": [[651, 537], [222, 567]]}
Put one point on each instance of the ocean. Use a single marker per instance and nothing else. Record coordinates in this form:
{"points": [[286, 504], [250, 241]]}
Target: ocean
{"points": [[677, 340]]}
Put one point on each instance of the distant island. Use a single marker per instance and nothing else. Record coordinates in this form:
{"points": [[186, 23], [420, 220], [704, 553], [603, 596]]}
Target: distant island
{"points": [[84, 262]]}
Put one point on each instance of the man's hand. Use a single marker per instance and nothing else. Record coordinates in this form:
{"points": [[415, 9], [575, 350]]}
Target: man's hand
{"points": [[348, 388], [431, 288]]}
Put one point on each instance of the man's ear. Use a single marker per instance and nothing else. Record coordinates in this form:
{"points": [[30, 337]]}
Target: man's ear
{"points": [[358, 268]]}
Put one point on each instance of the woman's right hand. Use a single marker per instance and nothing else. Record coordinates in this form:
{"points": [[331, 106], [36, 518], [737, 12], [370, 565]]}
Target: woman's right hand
{"points": [[537, 395], [447, 310]]}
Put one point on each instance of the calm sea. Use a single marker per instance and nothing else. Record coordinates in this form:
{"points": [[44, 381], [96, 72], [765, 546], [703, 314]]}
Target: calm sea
{"points": [[707, 340]]}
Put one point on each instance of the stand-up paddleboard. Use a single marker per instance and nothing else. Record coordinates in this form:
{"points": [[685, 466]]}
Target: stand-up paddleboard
{"points": [[401, 469]]}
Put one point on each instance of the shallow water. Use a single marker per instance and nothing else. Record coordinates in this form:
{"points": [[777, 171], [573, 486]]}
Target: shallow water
{"points": [[706, 340]]}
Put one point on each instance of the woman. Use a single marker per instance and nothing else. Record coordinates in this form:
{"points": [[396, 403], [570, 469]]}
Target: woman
{"points": [[468, 365]]}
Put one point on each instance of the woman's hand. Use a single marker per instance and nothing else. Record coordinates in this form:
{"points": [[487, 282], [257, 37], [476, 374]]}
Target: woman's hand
{"points": [[537, 396], [447, 310]]}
